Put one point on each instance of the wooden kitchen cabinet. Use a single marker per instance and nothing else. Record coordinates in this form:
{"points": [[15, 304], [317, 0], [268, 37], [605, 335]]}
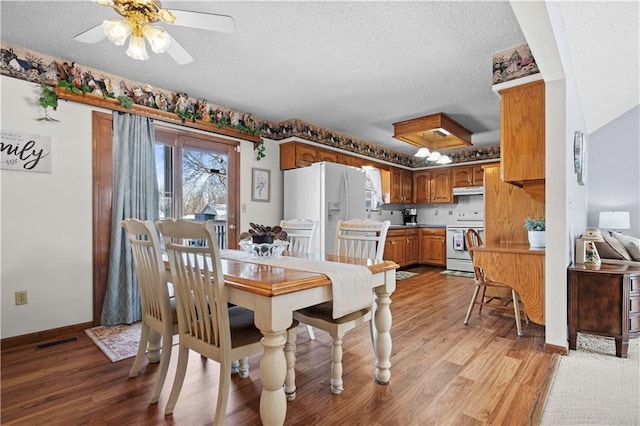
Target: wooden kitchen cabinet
{"points": [[411, 246], [432, 249], [468, 176], [394, 247], [433, 186], [326, 155], [522, 133], [401, 185], [294, 155]]}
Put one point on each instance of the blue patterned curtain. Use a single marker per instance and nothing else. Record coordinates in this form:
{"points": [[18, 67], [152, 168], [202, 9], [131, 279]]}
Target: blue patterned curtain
{"points": [[135, 194]]}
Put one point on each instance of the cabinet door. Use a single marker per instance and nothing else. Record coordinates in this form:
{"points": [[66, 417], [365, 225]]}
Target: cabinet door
{"points": [[396, 186], [407, 186], [411, 247], [522, 127], [462, 176], [421, 183], [305, 155], [394, 247], [432, 249], [441, 191], [477, 175], [324, 155]]}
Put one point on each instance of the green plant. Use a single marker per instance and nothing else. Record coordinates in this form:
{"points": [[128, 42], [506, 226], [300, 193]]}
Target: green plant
{"points": [[260, 148], [48, 99], [533, 224], [264, 231], [125, 101]]}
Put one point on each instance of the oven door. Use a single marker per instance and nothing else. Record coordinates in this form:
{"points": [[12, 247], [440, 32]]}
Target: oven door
{"points": [[458, 257]]}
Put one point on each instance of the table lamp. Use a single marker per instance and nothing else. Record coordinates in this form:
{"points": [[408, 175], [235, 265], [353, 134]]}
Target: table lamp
{"points": [[614, 220]]}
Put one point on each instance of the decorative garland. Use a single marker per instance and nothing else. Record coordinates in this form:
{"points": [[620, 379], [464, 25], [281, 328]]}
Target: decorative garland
{"points": [[49, 71]]}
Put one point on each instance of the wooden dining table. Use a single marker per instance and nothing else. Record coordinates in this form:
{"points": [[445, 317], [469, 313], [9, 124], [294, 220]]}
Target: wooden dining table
{"points": [[274, 293]]}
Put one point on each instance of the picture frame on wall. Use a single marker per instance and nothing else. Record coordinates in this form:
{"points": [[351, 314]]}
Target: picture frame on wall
{"points": [[580, 157], [260, 185]]}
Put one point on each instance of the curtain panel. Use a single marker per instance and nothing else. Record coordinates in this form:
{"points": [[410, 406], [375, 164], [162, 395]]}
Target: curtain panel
{"points": [[135, 194]]}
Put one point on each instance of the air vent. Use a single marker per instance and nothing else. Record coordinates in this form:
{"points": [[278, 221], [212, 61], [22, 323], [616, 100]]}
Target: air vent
{"points": [[57, 342]]}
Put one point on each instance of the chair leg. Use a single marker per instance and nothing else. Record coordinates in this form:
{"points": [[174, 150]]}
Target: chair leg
{"points": [[310, 331], [336, 367], [235, 366], [223, 391], [473, 302], [164, 366], [142, 347], [482, 298], [243, 369], [290, 357], [516, 310], [178, 380]]}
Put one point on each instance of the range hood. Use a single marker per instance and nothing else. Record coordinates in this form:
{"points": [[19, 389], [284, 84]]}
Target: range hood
{"points": [[436, 132], [468, 190]]}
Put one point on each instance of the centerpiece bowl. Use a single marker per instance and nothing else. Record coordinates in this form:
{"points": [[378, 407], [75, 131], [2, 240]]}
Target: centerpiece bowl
{"points": [[264, 250]]}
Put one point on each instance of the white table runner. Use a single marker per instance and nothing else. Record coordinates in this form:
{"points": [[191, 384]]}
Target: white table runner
{"points": [[351, 284]]}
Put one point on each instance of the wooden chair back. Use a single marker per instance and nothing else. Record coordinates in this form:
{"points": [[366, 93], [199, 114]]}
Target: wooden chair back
{"points": [[361, 238], [300, 234]]}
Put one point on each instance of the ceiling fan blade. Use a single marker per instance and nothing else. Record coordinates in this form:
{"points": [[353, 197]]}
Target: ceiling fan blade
{"points": [[205, 21], [92, 35], [178, 53]]}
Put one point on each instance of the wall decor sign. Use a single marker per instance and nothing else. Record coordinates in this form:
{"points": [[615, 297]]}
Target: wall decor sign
{"points": [[260, 185], [26, 152], [513, 63]]}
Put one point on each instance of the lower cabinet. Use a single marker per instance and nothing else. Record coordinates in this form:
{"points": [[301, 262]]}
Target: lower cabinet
{"points": [[432, 250], [410, 246]]}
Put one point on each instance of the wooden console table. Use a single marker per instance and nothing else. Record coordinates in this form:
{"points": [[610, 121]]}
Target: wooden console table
{"points": [[605, 301], [521, 268]]}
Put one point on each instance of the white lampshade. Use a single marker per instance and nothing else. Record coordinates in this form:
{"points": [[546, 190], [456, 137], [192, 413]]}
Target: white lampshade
{"points": [[137, 48], [434, 156], [614, 220], [157, 37], [422, 152], [117, 30], [444, 159]]}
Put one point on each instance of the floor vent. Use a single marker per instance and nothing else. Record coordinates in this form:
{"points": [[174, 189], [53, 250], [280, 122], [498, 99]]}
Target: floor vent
{"points": [[57, 342]]}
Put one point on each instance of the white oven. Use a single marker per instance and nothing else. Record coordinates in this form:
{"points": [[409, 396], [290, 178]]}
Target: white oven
{"points": [[458, 257]]}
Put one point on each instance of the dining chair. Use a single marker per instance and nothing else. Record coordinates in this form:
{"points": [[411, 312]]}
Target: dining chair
{"points": [[354, 238], [499, 295], [300, 235], [207, 325], [158, 308]]}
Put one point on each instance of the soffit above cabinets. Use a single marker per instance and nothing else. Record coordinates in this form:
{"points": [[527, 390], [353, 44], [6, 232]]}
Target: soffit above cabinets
{"points": [[435, 131]]}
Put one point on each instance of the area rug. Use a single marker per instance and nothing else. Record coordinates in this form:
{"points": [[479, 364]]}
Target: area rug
{"points": [[118, 342], [458, 273], [594, 387], [403, 275]]}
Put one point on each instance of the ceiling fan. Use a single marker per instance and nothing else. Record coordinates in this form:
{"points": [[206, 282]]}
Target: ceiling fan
{"points": [[138, 15]]}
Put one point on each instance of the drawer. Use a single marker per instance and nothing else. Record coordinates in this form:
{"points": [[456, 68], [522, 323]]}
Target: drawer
{"points": [[433, 231], [395, 233], [635, 283], [409, 232], [635, 304]]}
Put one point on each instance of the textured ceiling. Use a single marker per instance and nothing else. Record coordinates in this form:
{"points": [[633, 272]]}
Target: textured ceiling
{"points": [[354, 67]]}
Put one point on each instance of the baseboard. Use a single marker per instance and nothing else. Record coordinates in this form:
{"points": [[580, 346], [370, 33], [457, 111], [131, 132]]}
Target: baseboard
{"points": [[41, 336], [554, 349]]}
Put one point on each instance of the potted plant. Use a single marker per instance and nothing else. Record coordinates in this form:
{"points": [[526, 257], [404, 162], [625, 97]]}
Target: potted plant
{"points": [[264, 234], [537, 234]]}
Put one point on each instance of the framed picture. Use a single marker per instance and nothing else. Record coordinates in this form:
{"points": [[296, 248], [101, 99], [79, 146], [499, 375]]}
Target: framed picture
{"points": [[260, 185], [580, 157]]}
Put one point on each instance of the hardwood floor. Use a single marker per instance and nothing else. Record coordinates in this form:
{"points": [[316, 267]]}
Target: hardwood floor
{"points": [[442, 373]]}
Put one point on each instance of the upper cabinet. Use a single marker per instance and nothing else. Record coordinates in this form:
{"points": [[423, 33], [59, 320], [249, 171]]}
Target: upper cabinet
{"points": [[401, 185], [432, 186], [522, 129], [468, 176], [293, 155]]}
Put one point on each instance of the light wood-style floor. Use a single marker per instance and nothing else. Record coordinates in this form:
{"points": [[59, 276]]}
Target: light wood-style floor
{"points": [[443, 373]]}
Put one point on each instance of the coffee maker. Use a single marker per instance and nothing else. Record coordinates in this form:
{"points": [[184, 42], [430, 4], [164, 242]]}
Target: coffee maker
{"points": [[410, 216]]}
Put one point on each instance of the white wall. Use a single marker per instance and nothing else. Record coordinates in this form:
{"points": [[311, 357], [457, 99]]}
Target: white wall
{"points": [[46, 218], [614, 171]]}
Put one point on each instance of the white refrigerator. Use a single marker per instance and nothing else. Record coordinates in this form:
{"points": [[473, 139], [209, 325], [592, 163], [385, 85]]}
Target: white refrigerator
{"points": [[325, 192]]}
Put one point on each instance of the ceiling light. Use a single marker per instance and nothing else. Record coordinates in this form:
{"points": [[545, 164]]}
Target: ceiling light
{"points": [[449, 133], [434, 156], [444, 159], [422, 152]]}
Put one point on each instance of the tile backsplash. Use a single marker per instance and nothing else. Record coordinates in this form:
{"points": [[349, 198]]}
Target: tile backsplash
{"points": [[431, 214]]}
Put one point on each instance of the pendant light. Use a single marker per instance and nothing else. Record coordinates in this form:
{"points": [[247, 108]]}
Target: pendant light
{"points": [[435, 156], [423, 151]]}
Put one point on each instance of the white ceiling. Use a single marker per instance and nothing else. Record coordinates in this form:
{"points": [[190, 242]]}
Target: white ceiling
{"points": [[354, 67]]}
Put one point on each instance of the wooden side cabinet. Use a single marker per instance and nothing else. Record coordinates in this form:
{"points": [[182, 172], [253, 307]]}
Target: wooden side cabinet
{"points": [[606, 302], [432, 246]]}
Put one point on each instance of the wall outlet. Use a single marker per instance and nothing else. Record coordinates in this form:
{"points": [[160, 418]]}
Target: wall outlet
{"points": [[21, 297]]}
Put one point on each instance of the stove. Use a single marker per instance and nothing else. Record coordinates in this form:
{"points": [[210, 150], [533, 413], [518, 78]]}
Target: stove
{"points": [[458, 257]]}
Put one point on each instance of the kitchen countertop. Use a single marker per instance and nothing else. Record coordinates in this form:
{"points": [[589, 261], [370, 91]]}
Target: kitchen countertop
{"points": [[419, 225]]}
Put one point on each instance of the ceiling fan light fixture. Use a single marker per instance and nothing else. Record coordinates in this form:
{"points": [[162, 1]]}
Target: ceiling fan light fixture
{"points": [[422, 152], [157, 37], [117, 30], [137, 48]]}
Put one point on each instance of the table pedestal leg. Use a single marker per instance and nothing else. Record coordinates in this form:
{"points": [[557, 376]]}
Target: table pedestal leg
{"points": [[382, 321], [273, 368], [155, 345]]}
